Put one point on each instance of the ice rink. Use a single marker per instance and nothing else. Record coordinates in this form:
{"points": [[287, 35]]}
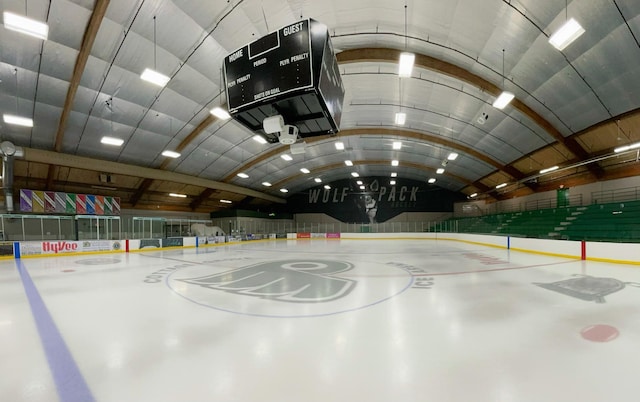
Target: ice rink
{"points": [[319, 320]]}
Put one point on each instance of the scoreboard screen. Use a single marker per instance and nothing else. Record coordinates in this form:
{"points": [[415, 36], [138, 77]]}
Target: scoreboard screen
{"points": [[272, 66]]}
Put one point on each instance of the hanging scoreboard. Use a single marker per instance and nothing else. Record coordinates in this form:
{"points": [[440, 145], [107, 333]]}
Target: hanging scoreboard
{"points": [[292, 72]]}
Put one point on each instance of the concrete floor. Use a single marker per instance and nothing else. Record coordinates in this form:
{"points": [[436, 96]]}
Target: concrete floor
{"points": [[319, 320]]}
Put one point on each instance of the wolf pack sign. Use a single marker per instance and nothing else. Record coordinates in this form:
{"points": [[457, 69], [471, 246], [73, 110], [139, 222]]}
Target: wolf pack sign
{"points": [[290, 288], [373, 201]]}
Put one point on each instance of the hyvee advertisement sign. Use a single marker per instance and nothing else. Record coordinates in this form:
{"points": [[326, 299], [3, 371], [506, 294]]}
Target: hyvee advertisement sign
{"points": [[379, 201]]}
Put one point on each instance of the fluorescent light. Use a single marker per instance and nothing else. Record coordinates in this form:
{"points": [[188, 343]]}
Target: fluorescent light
{"points": [[17, 120], [401, 118], [266, 184], [260, 139], [503, 100], [348, 162], [339, 145], [305, 170], [570, 31], [392, 182], [171, 154], [243, 175], [112, 141], [225, 201], [440, 171], [284, 190], [154, 77], [473, 195], [394, 162], [99, 187], [220, 113], [317, 180], [547, 170], [405, 66], [327, 187], [452, 156], [362, 187], [627, 147], [394, 174], [355, 174], [359, 182], [432, 180], [286, 157], [397, 145], [25, 25], [501, 185], [178, 195]]}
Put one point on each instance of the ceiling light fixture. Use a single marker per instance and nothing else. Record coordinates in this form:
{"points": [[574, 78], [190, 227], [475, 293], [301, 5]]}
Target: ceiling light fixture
{"points": [[348, 162], [17, 120], [499, 186], [260, 139], [568, 32], [243, 175], [339, 145], [25, 25], [327, 187], [362, 187], [547, 170], [220, 113], [440, 171], [153, 76], [401, 118], [505, 97], [112, 141], [397, 145], [405, 65], [392, 182], [474, 195], [405, 68], [431, 180], [305, 170], [394, 174], [627, 147], [171, 154], [317, 180], [452, 156], [394, 162], [286, 157], [266, 184], [178, 195], [355, 174], [284, 190], [225, 201]]}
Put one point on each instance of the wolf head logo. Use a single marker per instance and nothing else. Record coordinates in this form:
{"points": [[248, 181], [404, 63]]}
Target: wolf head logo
{"points": [[295, 281]]}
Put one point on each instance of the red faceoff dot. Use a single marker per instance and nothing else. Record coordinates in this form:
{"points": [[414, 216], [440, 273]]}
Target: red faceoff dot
{"points": [[599, 333]]}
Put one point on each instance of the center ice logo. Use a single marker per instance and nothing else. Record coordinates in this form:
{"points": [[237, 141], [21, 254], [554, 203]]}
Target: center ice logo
{"points": [[294, 281]]}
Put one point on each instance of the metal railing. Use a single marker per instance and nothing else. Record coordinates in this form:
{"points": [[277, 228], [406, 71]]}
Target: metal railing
{"points": [[621, 194]]}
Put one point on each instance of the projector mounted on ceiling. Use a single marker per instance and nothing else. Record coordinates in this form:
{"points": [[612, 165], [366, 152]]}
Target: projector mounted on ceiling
{"points": [[287, 134]]}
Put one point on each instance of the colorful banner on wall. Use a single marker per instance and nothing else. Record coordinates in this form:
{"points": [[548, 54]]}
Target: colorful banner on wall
{"points": [[26, 202], [54, 202], [49, 202], [38, 201]]}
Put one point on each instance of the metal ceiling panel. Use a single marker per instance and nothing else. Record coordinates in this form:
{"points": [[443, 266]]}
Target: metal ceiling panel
{"points": [[67, 31]]}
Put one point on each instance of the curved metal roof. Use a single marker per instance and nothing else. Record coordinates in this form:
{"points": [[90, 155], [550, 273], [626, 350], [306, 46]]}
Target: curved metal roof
{"points": [[83, 82]]}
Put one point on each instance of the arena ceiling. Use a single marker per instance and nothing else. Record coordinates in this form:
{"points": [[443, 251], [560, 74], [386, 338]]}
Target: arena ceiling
{"points": [[572, 108]]}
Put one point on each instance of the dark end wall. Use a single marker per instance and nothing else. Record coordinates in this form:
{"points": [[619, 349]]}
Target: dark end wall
{"points": [[378, 202]]}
